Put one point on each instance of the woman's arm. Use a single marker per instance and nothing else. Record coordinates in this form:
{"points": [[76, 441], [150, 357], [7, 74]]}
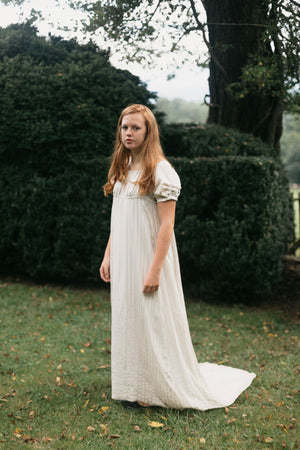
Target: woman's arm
{"points": [[105, 266], [166, 215]]}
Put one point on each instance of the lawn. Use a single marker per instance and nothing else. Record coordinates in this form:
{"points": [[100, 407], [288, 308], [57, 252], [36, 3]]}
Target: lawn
{"points": [[55, 376]]}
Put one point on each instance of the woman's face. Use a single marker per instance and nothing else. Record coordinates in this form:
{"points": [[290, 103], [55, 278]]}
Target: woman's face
{"points": [[133, 131]]}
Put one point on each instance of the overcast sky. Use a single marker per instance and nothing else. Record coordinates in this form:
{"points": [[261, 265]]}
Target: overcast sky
{"points": [[190, 82]]}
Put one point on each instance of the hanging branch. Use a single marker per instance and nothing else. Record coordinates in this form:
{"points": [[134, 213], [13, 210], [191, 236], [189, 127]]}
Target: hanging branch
{"points": [[206, 41]]}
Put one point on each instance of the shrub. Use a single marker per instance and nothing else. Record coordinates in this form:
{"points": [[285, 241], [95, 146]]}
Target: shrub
{"points": [[233, 224], [58, 120], [56, 227], [59, 106], [211, 141]]}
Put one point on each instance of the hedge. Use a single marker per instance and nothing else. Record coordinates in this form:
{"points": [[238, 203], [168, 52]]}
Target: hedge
{"points": [[233, 224], [211, 141], [57, 121]]}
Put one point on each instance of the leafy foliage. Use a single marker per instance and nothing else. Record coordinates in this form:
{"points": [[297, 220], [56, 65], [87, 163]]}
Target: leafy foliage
{"points": [[57, 124], [239, 224], [235, 216], [272, 67]]}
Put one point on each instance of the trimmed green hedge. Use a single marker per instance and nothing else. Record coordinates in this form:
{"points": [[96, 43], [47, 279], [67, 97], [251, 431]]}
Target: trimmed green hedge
{"points": [[54, 228], [212, 141], [57, 121], [233, 224]]}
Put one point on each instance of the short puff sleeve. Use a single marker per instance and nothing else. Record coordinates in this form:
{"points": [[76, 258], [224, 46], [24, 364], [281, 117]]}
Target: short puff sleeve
{"points": [[167, 182]]}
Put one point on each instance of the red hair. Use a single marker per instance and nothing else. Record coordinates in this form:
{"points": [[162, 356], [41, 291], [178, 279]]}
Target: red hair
{"points": [[151, 153]]}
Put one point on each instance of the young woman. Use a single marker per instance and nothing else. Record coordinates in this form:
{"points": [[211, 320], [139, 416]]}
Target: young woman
{"points": [[153, 360]]}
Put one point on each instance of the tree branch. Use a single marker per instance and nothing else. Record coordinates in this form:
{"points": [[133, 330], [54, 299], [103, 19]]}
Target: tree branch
{"points": [[206, 41]]}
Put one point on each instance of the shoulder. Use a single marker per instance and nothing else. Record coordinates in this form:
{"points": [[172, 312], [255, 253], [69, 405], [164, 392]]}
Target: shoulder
{"points": [[167, 182], [165, 172]]}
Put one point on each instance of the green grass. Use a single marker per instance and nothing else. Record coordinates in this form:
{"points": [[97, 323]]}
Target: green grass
{"points": [[55, 376]]}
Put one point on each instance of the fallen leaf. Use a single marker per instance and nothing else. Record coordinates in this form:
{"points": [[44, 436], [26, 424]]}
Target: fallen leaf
{"points": [[104, 427], [231, 420], [104, 408], [202, 440], [90, 429], [87, 344], [137, 428], [155, 424], [31, 415], [268, 439], [104, 366], [18, 431]]}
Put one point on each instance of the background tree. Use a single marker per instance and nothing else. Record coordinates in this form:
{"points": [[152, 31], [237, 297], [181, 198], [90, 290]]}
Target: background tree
{"points": [[253, 48]]}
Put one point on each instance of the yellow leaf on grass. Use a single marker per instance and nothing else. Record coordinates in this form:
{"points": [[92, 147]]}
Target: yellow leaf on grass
{"points": [[268, 439], [155, 424], [202, 440], [104, 427], [104, 408], [104, 366], [231, 420], [18, 431]]}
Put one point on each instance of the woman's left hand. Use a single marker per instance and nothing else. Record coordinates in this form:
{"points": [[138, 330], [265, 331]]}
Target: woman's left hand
{"points": [[152, 281]]}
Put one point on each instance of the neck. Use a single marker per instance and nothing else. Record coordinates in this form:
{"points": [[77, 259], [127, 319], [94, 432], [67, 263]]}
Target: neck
{"points": [[136, 161]]}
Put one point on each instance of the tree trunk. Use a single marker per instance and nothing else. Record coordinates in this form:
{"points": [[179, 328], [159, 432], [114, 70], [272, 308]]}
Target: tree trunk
{"points": [[231, 46]]}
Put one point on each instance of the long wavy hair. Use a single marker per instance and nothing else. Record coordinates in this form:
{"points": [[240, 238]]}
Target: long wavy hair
{"points": [[151, 153]]}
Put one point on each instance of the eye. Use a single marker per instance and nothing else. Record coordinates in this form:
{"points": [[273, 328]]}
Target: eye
{"points": [[136, 128], [124, 127]]}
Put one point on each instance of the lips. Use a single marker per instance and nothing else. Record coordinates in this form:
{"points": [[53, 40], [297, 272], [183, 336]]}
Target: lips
{"points": [[128, 141]]}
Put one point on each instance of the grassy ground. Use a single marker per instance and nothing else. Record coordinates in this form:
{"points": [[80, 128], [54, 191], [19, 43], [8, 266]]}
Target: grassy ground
{"points": [[55, 376]]}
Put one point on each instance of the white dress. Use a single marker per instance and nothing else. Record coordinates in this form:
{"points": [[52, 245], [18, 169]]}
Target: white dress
{"points": [[153, 359]]}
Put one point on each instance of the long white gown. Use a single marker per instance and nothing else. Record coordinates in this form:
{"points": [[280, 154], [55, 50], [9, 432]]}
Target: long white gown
{"points": [[153, 359]]}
